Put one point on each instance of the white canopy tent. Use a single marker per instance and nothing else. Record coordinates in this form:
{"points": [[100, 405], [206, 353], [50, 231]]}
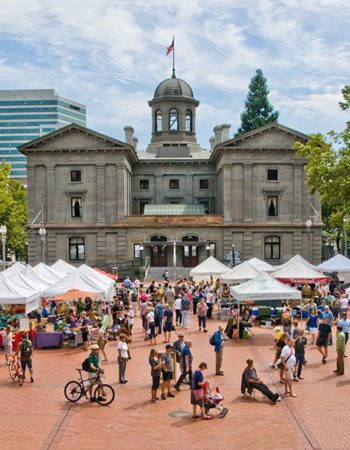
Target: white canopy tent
{"points": [[339, 263], [294, 259], [30, 273], [298, 272], [83, 282], [63, 266], [26, 282], [211, 267], [262, 288], [47, 273], [239, 274], [13, 294], [15, 268], [260, 265]]}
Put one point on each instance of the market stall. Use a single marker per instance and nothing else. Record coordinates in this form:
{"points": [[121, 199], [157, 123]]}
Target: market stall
{"points": [[63, 266], [339, 264], [295, 259], [48, 339], [299, 272], [211, 268], [13, 294], [239, 274], [47, 273], [260, 265]]}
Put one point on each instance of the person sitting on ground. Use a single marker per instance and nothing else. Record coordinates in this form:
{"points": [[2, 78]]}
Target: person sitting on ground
{"points": [[250, 381]]}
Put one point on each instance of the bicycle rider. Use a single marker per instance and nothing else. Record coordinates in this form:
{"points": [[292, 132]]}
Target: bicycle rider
{"points": [[25, 347], [94, 368]]}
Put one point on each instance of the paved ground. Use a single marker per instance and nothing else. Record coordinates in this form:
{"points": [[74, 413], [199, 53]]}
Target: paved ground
{"points": [[37, 416]]}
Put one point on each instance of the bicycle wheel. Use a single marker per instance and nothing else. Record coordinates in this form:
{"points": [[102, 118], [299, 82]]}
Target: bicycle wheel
{"points": [[73, 391], [12, 370], [107, 392]]}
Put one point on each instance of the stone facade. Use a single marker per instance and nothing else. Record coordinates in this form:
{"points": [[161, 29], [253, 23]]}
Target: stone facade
{"points": [[94, 190]]}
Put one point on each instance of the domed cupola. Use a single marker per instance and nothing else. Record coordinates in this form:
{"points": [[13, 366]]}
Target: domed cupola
{"points": [[173, 114]]}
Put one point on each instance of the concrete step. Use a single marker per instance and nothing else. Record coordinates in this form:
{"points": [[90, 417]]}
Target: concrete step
{"points": [[155, 273]]}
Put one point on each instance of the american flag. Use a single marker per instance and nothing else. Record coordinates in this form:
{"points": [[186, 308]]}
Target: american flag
{"points": [[170, 48]]}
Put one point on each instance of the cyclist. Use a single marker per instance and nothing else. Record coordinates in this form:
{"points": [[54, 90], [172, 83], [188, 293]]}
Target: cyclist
{"points": [[94, 368], [25, 347]]}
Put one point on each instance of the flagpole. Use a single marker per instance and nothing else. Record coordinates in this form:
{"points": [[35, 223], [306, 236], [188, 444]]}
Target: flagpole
{"points": [[174, 57]]}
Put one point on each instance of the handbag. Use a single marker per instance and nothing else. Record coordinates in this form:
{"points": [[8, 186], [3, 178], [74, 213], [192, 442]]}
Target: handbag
{"points": [[198, 394]]}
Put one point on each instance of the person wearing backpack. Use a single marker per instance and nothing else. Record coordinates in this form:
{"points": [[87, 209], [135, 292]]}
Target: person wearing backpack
{"points": [[25, 348], [218, 340]]}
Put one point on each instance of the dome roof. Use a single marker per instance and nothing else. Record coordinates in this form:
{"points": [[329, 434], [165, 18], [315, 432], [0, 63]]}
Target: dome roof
{"points": [[173, 87]]}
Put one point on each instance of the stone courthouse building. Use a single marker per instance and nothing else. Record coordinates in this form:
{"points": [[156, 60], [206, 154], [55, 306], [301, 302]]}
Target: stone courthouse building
{"points": [[105, 203]]}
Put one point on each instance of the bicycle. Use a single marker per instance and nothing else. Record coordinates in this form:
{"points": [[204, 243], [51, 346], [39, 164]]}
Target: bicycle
{"points": [[15, 368], [74, 390]]}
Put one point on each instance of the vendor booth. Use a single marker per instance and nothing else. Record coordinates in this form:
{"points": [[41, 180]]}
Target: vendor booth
{"points": [[210, 268], [261, 266], [339, 264], [26, 282], [299, 272], [239, 274], [15, 268], [47, 273], [293, 260], [63, 266], [13, 294]]}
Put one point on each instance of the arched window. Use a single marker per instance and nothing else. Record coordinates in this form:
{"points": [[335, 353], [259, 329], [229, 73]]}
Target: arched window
{"points": [[188, 120], [77, 249], [159, 121], [272, 247], [173, 120]]}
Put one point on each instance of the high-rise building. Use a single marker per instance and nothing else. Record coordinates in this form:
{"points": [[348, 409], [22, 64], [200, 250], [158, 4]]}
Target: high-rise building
{"points": [[28, 114]]}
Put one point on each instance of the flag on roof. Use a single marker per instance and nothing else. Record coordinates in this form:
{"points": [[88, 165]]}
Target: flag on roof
{"points": [[170, 48]]}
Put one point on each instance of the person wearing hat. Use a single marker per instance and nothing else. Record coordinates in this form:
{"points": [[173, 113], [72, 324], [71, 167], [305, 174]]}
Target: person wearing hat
{"points": [[219, 340], [178, 346], [167, 371], [94, 368]]}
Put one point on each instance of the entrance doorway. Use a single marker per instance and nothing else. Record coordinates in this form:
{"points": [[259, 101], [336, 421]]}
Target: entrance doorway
{"points": [[159, 252], [190, 251]]}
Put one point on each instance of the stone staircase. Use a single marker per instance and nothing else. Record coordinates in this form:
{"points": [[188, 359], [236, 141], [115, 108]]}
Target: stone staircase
{"points": [[155, 273]]}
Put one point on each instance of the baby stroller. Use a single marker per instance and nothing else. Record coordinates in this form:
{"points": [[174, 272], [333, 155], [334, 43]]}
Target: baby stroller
{"points": [[213, 399]]}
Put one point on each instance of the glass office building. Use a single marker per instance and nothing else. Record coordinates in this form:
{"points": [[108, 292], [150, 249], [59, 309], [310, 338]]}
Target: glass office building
{"points": [[28, 114]]}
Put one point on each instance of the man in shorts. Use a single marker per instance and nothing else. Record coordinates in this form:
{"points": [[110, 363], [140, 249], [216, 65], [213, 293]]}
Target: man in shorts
{"points": [[167, 371], [324, 331], [25, 348], [94, 368], [288, 361]]}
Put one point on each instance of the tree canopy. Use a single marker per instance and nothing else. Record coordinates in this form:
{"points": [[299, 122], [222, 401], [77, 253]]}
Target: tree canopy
{"points": [[13, 211], [328, 170], [258, 110]]}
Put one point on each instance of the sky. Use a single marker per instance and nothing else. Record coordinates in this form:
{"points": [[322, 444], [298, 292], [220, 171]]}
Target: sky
{"points": [[110, 55]]}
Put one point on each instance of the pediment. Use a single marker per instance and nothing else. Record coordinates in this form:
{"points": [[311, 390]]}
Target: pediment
{"points": [[73, 138], [270, 136]]}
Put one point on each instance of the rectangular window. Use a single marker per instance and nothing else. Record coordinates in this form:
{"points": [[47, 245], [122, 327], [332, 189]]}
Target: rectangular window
{"points": [[138, 250], [142, 207], [144, 184], [211, 249], [204, 184], [75, 176], [76, 209], [174, 184], [173, 202], [272, 206], [77, 249], [272, 248], [205, 205], [272, 175]]}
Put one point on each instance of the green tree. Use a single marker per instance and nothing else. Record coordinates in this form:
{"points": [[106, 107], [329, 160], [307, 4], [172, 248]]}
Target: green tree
{"points": [[258, 110], [13, 211], [328, 170]]}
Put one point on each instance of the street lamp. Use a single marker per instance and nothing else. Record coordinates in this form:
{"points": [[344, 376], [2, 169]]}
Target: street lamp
{"points": [[346, 220], [208, 250], [141, 248], [42, 234], [308, 224], [3, 231], [233, 256]]}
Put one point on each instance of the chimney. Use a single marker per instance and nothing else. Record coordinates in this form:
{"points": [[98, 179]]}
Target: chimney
{"points": [[218, 134], [134, 142], [212, 143], [225, 131], [129, 133]]}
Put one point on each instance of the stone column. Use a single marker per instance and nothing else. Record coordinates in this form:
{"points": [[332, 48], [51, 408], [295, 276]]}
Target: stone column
{"points": [[31, 192], [159, 189], [51, 200], [188, 190], [227, 192], [248, 191], [121, 188], [100, 189], [297, 194]]}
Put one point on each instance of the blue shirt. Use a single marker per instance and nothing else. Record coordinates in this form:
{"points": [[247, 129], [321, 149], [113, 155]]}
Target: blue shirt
{"points": [[218, 340], [197, 378], [345, 324], [312, 322], [127, 283], [186, 351], [329, 316]]}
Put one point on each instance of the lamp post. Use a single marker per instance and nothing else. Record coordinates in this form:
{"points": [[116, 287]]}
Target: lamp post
{"points": [[346, 220], [141, 253], [308, 224], [3, 231], [233, 256], [42, 234], [208, 250]]}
